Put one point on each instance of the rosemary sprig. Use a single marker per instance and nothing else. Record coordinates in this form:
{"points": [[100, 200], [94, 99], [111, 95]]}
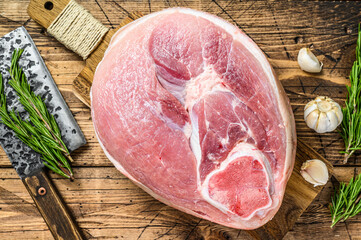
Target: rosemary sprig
{"points": [[345, 202], [351, 124], [41, 132]]}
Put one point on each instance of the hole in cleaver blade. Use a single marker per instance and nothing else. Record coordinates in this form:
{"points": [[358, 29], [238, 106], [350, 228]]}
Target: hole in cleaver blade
{"points": [[24, 160]]}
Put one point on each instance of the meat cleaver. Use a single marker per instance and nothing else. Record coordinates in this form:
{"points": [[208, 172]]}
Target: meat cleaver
{"points": [[26, 162]]}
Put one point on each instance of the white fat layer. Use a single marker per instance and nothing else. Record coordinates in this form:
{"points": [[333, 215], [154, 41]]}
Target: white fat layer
{"points": [[240, 150], [176, 90], [187, 129], [156, 109], [196, 88], [195, 144]]}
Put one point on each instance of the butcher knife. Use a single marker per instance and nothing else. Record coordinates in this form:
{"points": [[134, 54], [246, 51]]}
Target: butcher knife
{"points": [[26, 162]]}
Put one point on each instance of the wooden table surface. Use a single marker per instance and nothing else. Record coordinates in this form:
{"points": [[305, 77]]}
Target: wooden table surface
{"points": [[103, 209]]}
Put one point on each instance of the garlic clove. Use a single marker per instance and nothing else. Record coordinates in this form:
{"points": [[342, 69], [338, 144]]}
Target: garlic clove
{"points": [[333, 120], [315, 172], [310, 107], [338, 111], [322, 123], [308, 61], [312, 119], [323, 114]]}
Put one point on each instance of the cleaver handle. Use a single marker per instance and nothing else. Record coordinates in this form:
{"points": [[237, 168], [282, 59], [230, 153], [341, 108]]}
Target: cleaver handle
{"points": [[51, 207]]}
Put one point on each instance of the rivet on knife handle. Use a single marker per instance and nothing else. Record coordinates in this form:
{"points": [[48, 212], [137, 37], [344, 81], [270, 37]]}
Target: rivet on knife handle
{"points": [[51, 207], [69, 23]]}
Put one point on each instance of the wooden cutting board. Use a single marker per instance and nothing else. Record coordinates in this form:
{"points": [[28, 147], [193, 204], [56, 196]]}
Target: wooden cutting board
{"points": [[299, 194]]}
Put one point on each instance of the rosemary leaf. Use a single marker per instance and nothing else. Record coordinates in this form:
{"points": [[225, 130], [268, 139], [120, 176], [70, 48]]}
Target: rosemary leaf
{"points": [[41, 133], [351, 124], [34, 104], [345, 203]]}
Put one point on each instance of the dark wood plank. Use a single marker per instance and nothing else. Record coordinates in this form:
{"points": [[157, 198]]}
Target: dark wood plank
{"points": [[279, 28]]}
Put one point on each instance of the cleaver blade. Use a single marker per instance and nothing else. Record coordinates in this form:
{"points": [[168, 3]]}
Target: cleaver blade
{"points": [[26, 162]]}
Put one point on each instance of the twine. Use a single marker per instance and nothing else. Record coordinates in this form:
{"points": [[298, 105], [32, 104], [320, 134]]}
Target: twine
{"points": [[77, 29]]}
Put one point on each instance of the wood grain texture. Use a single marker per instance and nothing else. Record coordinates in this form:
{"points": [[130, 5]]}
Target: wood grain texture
{"points": [[280, 29], [38, 10], [51, 207]]}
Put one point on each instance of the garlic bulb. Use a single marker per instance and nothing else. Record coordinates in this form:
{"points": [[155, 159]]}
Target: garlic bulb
{"points": [[323, 114], [308, 62], [315, 172]]}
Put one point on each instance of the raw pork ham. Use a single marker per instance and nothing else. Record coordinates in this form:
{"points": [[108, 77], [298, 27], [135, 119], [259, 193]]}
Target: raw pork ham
{"points": [[188, 107]]}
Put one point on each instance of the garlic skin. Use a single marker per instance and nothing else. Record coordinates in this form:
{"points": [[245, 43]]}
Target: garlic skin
{"points": [[308, 62], [323, 114], [315, 172]]}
